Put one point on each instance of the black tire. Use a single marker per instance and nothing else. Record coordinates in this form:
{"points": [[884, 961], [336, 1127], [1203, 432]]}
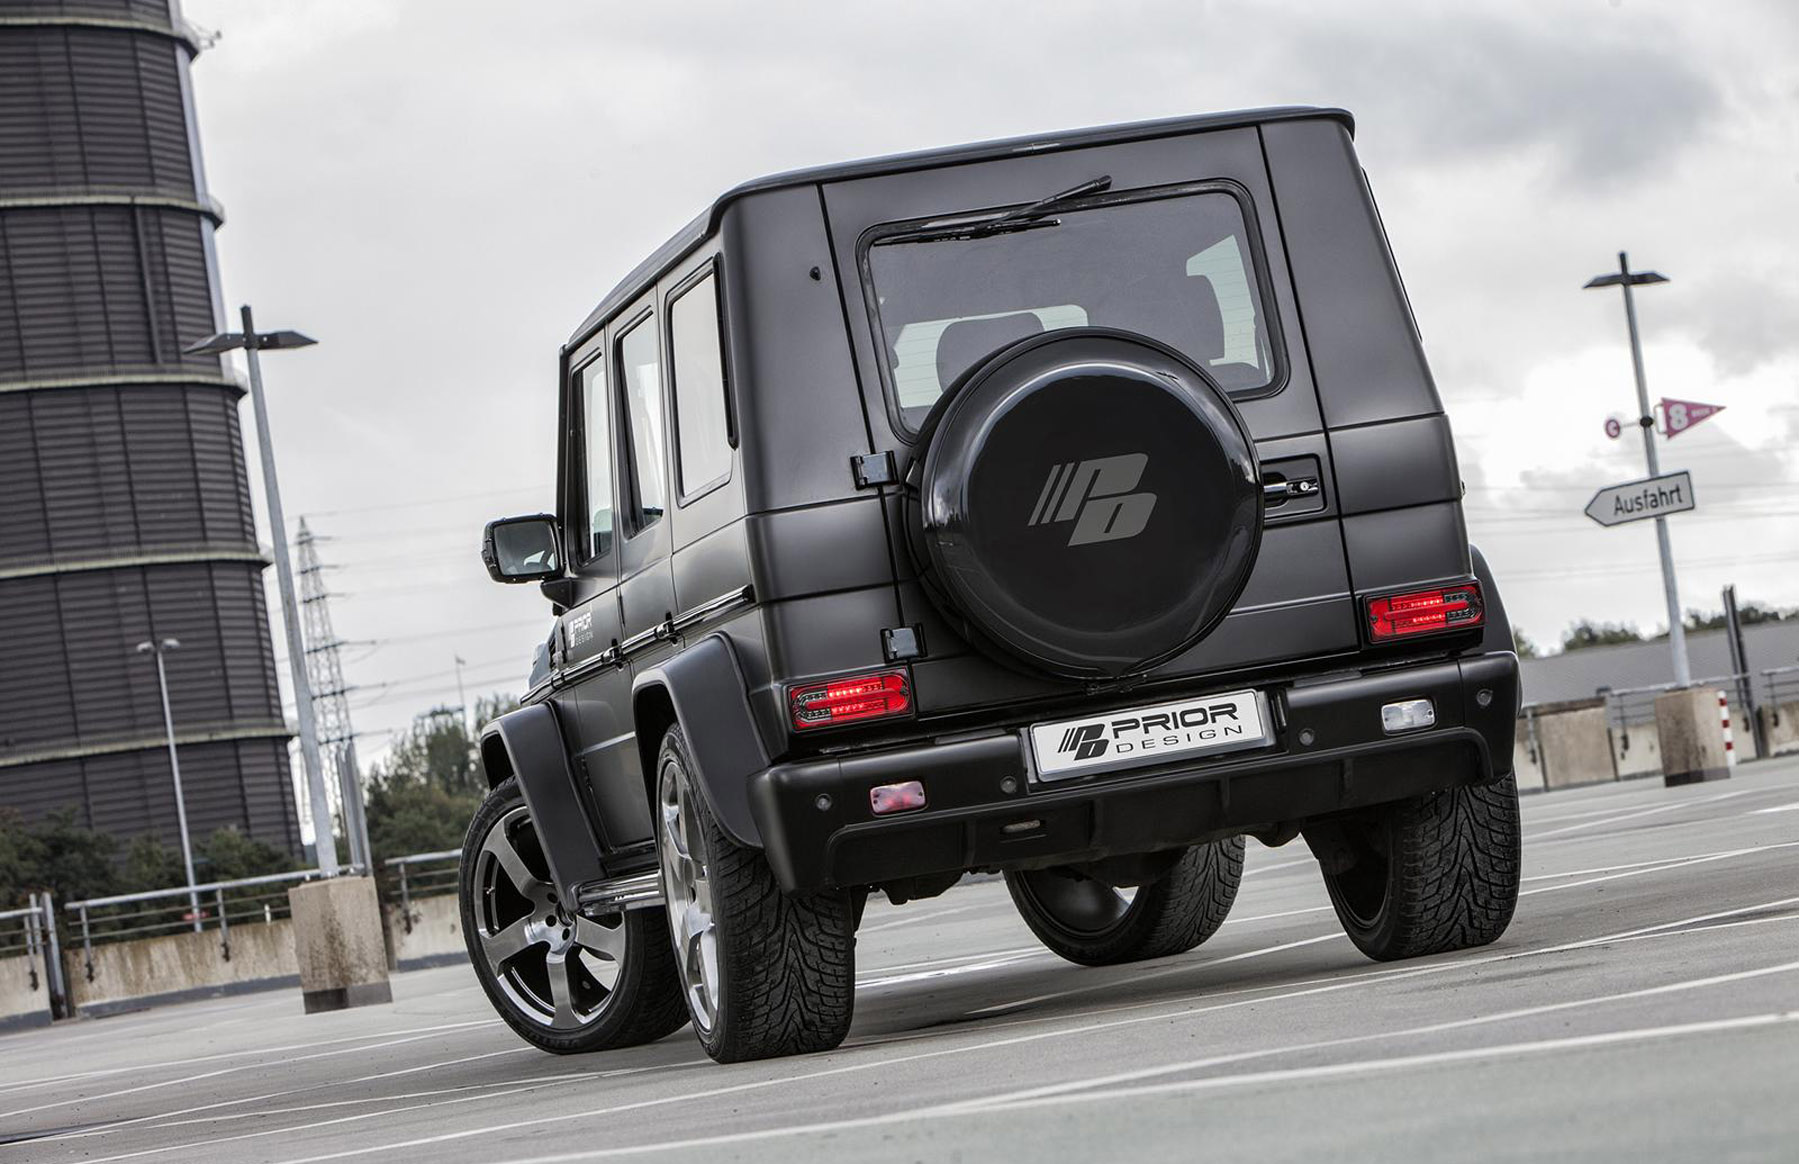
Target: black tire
{"points": [[1089, 922], [782, 966], [643, 1002], [1431, 875]]}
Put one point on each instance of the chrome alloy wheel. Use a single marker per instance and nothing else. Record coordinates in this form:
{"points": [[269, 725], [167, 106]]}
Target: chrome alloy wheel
{"points": [[687, 888], [558, 967]]}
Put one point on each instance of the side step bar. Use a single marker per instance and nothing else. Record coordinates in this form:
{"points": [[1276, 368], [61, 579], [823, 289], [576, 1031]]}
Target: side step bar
{"points": [[637, 891]]}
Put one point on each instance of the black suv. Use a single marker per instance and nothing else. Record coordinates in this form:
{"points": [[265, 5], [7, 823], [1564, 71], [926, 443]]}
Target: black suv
{"points": [[1071, 507]]}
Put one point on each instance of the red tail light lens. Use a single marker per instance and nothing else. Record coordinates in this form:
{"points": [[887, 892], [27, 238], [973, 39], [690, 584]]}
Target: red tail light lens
{"points": [[1425, 612], [841, 701]]}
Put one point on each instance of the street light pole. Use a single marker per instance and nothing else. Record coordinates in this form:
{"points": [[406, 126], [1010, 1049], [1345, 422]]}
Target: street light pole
{"points": [[153, 647], [324, 843], [1677, 631]]}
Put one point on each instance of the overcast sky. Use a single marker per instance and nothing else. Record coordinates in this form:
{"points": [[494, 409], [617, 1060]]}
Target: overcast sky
{"points": [[439, 192]]}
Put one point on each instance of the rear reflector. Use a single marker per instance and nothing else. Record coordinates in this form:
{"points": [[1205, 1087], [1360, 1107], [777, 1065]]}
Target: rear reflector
{"points": [[841, 701], [1425, 612], [896, 797]]}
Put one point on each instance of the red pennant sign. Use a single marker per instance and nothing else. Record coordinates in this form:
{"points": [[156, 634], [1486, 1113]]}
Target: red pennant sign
{"points": [[1680, 415]]}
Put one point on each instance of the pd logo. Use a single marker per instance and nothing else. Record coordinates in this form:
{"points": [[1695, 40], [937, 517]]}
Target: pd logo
{"points": [[1096, 495], [1085, 740]]}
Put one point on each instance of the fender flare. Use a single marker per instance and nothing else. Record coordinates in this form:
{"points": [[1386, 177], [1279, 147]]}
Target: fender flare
{"points": [[704, 691], [529, 744]]}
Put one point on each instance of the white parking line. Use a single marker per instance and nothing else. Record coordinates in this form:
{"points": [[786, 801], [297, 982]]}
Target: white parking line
{"points": [[946, 971], [1350, 1040], [1113, 984], [1163, 972], [340, 1120], [1258, 870], [1641, 812], [1793, 807], [212, 1075], [932, 915], [1440, 1058], [244, 1054], [978, 1108]]}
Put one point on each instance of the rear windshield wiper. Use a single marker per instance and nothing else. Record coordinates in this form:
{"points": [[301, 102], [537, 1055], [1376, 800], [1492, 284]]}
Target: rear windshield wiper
{"points": [[1023, 218]]}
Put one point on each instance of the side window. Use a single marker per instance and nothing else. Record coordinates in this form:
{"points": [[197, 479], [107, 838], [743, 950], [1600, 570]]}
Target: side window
{"points": [[702, 442], [596, 461], [640, 370]]}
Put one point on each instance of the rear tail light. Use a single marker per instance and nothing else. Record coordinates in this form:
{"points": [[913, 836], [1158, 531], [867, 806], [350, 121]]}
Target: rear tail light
{"points": [[1425, 612], [859, 697]]}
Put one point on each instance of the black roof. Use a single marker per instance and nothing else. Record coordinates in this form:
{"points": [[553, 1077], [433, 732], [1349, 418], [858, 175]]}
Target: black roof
{"points": [[695, 232]]}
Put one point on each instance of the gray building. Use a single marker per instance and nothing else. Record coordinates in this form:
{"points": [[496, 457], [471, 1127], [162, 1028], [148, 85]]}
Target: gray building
{"points": [[1634, 666], [124, 499]]}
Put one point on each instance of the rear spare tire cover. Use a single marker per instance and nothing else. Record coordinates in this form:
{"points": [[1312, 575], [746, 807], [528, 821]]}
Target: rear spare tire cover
{"points": [[1088, 502]]}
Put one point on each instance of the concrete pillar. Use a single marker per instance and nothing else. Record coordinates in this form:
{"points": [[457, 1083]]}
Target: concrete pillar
{"points": [[338, 944], [1691, 736]]}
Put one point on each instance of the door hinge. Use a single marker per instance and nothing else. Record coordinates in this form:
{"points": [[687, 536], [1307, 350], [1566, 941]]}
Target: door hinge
{"points": [[874, 469]]}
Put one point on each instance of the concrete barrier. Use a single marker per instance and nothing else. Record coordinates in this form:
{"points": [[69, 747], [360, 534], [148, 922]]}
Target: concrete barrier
{"points": [[434, 937], [1692, 736], [1781, 722], [24, 997], [1565, 745], [338, 944], [128, 975]]}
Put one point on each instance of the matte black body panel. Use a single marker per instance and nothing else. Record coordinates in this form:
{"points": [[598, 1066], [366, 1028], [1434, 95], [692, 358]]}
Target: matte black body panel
{"points": [[1359, 331], [1403, 462], [529, 744], [1398, 546], [706, 687]]}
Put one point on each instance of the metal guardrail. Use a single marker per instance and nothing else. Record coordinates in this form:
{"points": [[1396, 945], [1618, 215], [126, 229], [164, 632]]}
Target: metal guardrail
{"points": [[1782, 686], [1628, 706], [246, 899], [430, 882]]}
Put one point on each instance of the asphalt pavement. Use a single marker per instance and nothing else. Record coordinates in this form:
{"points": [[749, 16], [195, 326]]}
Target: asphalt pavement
{"points": [[1643, 1006]]}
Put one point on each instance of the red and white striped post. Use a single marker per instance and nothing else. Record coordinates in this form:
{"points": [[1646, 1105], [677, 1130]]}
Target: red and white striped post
{"points": [[1730, 747]]}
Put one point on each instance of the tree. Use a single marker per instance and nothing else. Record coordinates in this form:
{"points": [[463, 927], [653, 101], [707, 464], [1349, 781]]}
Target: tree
{"points": [[421, 798], [1522, 645], [1748, 613], [1587, 633]]}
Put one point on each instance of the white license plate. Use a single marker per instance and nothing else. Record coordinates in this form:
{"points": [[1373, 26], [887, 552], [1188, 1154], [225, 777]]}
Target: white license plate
{"points": [[1150, 735]]}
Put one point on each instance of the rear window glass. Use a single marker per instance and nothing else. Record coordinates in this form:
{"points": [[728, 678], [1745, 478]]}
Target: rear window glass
{"points": [[1176, 267]]}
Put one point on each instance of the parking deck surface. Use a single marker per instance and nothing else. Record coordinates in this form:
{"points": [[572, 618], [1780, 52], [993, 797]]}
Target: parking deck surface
{"points": [[1644, 1005]]}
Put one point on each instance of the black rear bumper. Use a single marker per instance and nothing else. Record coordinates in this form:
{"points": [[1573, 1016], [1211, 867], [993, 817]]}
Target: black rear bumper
{"points": [[985, 809]]}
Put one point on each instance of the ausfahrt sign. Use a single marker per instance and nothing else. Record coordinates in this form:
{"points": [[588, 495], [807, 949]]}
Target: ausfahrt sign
{"points": [[1636, 500]]}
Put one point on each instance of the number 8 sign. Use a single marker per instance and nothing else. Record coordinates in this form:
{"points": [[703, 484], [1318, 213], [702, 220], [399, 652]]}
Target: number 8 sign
{"points": [[1680, 415]]}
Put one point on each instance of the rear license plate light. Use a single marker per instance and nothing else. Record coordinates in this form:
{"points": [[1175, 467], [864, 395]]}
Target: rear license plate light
{"points": [[1439, 610], [850, 700]]}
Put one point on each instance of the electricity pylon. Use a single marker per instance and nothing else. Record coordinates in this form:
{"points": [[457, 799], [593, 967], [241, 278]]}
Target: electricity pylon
{"points": [[330, 696]]}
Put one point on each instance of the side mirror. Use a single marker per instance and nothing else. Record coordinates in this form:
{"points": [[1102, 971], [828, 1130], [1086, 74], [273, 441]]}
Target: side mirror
{"points": [[522, 549]]}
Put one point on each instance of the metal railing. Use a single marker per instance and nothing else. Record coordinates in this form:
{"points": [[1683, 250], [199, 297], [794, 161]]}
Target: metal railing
{"points": [[1627, 706], [438, 877], [1782, 686], [126, 916]]}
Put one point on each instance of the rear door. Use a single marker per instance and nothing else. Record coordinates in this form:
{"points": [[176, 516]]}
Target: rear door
{"points": [[599, 699], [1219, 290]]}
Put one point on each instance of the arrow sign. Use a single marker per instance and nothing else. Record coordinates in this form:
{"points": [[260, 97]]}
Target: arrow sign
{"points": [[1680, 415], [1636, 500]]}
